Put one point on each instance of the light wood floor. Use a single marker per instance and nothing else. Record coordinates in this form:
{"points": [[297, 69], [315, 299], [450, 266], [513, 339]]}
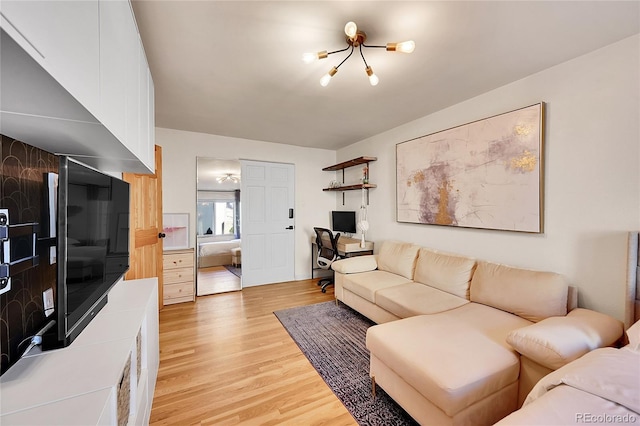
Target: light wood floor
{"points": [[216, 279], [226, 359]]}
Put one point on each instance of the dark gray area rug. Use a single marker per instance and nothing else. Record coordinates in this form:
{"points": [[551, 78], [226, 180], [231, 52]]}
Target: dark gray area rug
{"points": [[333, 339], [234, 270]]}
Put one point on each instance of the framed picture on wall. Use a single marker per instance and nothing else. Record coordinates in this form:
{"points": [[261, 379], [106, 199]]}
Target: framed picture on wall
{"points": [[175, 226], [486, 174]]}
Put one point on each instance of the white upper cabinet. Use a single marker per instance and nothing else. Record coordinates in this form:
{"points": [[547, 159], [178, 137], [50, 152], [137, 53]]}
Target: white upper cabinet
{"points": [[147, 140], [77, 81], [63, 37], [118, 69]]}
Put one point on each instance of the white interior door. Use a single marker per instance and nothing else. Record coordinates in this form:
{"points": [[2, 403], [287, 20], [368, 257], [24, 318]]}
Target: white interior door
{"points": [[267, 222]]}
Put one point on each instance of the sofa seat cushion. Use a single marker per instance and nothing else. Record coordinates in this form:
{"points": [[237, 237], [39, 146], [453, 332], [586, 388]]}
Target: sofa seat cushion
{"points": [[366, 284], [411, 299], [449, 363]]}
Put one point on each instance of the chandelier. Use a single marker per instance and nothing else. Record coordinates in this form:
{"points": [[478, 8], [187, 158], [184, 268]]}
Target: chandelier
{"points": [[229, 177], [356, 39]]}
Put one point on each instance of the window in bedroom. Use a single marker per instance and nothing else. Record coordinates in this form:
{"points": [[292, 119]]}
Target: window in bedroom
{"points": [[218, 215]]}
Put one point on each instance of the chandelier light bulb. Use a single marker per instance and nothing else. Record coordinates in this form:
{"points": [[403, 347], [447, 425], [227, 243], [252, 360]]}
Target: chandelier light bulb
{"points": [[404, 47], [324, 81], [309, 57], [373, 79], [351, 29]]}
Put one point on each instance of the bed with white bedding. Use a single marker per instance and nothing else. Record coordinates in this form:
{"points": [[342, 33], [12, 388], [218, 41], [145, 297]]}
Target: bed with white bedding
{"points": [[601, 387], [215, 253]]}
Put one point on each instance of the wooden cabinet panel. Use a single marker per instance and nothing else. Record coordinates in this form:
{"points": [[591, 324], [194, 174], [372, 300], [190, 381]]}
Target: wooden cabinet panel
{"points": [[177, 293], [178, 276], [178, 259]]}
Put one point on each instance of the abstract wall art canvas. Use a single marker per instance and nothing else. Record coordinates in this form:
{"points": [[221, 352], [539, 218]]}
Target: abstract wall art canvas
{"points": [[486, 174]]}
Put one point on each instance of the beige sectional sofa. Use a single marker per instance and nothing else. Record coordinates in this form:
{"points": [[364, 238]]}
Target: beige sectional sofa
{"points": [[462, 341]]}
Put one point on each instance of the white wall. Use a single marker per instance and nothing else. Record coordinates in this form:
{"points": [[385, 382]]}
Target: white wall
{"points": [[312, 207], [592, 183]]}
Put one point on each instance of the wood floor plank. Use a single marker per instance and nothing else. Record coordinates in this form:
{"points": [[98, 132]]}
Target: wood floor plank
{"points": [[216, 279], [226, 359]]}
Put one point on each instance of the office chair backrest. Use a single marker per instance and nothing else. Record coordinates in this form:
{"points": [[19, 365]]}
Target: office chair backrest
{"points": [[327, 247]]}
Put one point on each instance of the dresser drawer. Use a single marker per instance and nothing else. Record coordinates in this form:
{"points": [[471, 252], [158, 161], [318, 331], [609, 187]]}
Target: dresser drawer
{"points": [[177, 293], [178, 260], [178, 275]]}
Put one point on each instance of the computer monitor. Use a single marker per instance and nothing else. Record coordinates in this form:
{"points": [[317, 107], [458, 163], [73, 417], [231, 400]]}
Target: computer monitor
{"points": [[343, 221]]}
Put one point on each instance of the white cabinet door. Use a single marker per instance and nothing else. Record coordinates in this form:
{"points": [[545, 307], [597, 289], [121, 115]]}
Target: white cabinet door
{"points": [[62, 36], [143, 95], [118, 67], [147, 119]]}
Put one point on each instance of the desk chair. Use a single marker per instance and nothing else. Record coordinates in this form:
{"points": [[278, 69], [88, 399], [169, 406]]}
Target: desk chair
{"points": [[327, 245]]}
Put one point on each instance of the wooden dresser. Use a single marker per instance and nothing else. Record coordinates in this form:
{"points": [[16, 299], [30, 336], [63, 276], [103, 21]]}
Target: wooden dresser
{"points": [[178, 276]]}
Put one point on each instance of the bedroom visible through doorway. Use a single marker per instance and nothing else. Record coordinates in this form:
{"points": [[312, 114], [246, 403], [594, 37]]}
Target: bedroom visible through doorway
{"points": [[218, 228]]}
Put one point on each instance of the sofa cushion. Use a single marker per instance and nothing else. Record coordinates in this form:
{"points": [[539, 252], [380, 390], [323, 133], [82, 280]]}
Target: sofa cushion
{"points": [[446, 361], [556, 341], [366, 284], [354, 265], [398, 257], [407, 300], [443, 271], [533, 295]]}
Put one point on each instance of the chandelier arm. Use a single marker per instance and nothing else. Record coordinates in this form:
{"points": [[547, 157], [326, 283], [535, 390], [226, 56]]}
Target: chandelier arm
{"points": [[348, 56], [338, 51], [368, 45], [363, 59]]}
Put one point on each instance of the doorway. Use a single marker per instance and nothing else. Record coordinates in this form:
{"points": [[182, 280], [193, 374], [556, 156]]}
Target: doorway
{"points": [[218, 229]]}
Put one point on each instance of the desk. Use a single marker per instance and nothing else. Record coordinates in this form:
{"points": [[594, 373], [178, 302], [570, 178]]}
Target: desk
{"points": [[347, 247]]}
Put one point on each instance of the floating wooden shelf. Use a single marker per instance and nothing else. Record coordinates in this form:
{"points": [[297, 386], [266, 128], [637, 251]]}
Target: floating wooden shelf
{"points": [[352, 187], [350, 163]]}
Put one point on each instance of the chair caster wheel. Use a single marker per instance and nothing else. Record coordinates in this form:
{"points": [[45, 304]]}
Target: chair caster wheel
{"points": [[324, 290]]}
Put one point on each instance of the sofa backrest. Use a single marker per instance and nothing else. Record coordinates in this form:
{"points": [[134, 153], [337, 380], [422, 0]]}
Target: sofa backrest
{"points": [[532, 295], [398, 257], [446, 272]]}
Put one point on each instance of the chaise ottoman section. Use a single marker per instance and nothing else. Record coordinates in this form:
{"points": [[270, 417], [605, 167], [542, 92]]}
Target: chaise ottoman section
{"points": [[463, 374], [449, 364]]}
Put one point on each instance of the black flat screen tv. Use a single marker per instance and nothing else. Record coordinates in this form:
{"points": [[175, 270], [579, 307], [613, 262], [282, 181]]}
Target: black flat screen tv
{"points": [[343, 221], [92, 246]]}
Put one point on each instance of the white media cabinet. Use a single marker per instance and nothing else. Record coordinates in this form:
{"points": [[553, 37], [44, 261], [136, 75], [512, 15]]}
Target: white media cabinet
{"points": [[107, 376]]}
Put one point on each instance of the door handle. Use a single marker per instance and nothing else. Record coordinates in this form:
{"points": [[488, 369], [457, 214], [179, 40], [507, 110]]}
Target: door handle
{"points": [[162, 235], [289, 227]]}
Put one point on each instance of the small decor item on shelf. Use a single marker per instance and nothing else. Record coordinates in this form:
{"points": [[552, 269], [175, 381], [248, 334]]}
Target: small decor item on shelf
{"points": [[365, 174], [334, 184]]}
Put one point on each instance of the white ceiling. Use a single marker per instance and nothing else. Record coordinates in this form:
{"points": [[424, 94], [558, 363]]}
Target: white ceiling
{"points": [[209, 169], [234, 68]]}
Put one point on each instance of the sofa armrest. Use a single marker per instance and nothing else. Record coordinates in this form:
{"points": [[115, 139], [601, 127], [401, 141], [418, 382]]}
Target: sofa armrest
{"points": [[556, 341], [353, 265]]}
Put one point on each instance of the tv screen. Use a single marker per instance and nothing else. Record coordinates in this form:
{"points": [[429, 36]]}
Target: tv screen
{"points": [[343, 221], [93, 243]]}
